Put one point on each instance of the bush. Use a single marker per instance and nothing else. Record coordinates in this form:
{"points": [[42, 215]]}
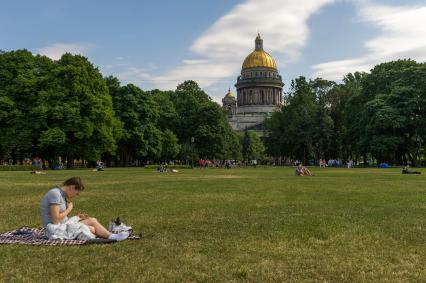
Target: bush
{"points": [[18, 168]]}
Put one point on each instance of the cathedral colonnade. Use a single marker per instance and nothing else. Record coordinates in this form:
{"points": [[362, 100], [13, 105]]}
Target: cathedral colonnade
{"points": [[259, 96]]}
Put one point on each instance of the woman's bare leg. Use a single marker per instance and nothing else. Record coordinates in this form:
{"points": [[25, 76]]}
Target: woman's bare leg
{"points": [[91, 228], [99, 230]]}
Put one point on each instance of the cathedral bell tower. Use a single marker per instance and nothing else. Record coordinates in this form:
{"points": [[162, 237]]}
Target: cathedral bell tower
{"points": [[229, 103]]}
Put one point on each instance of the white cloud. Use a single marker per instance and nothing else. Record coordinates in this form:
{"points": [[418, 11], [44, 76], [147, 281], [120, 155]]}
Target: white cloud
{"points": [[402, 35], [194, 62], [220, 51], [56, 50], [134, 75], [282, 24], [335, 70]]}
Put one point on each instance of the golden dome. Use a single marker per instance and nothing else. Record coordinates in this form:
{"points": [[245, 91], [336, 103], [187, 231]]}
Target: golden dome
{"points": [[259, 57], [229, 94]]}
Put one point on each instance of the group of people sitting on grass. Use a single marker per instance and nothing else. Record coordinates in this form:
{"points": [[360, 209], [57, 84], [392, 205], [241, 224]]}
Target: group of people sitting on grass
{"points": [[162, 169]]}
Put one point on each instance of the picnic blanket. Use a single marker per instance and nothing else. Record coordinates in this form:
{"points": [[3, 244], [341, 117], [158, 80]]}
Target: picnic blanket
{"points": [[37, 237]]}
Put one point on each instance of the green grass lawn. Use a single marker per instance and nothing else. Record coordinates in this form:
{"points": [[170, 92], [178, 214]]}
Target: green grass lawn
{"points": [[214, 225]]}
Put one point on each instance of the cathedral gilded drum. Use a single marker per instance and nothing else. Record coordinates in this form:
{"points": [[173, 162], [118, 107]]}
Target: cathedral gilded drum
{"points": [[259, 91]]}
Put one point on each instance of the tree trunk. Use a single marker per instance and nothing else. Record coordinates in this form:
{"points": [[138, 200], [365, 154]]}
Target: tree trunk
{"points": [[69, 166], [416, 157], [13, 156], [411, 159], [304, 155], [42, 164], [404, 159]]}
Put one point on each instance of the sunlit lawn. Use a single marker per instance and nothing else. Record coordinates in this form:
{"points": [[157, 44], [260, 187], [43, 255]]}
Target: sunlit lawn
{"points": [[215, 225]]}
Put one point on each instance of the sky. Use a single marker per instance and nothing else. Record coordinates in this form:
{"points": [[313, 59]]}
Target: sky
{"points": [[160, 44]]}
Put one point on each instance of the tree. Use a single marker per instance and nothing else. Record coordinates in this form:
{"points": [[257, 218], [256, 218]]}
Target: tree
{"points": [[138, 112], [211, 131], [350, 108], [168, 117], [252, 146], [62, 99], [294, 125], [394, 93], [232, 148], [51, 143], [191, 88], [81, 107], [205, 120], [246, 146], [323, 123], [170, 145], [20, 73]]}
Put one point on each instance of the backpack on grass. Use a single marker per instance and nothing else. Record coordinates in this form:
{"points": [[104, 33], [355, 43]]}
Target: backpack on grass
{"points": [[116, 226]]}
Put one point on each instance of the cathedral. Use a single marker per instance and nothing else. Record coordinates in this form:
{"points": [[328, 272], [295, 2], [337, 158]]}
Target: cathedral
{"points": [[259, 91]]}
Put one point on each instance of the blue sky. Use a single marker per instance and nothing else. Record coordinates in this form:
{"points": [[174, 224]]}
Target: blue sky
{"points": [[159, 44]]}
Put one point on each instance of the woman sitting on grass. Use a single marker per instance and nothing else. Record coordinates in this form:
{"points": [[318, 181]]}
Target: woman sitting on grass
{"points": [[56, 206], [302, 171]]}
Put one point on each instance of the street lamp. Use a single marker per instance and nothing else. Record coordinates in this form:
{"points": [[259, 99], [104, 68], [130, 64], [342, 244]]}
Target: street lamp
{"points": [[192, 152]]}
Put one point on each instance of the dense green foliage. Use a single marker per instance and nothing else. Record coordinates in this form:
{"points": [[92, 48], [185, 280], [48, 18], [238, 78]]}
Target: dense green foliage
{"points": [[66, 110], [252, 146], [204, 122], [54, 108], [237, 225], [379, 115], [394, 112]]}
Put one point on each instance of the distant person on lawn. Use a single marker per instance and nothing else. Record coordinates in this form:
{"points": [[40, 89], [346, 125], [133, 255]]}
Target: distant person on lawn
{"points": [[302, 171], [56, 206], [406, 171]]}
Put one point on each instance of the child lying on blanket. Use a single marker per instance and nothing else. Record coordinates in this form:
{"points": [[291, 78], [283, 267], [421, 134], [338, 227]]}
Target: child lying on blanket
{"points": [[56, 206]]}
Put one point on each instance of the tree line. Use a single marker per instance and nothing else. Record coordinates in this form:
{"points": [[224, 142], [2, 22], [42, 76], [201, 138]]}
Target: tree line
{"points": [[66, 109], [380, 116]]}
